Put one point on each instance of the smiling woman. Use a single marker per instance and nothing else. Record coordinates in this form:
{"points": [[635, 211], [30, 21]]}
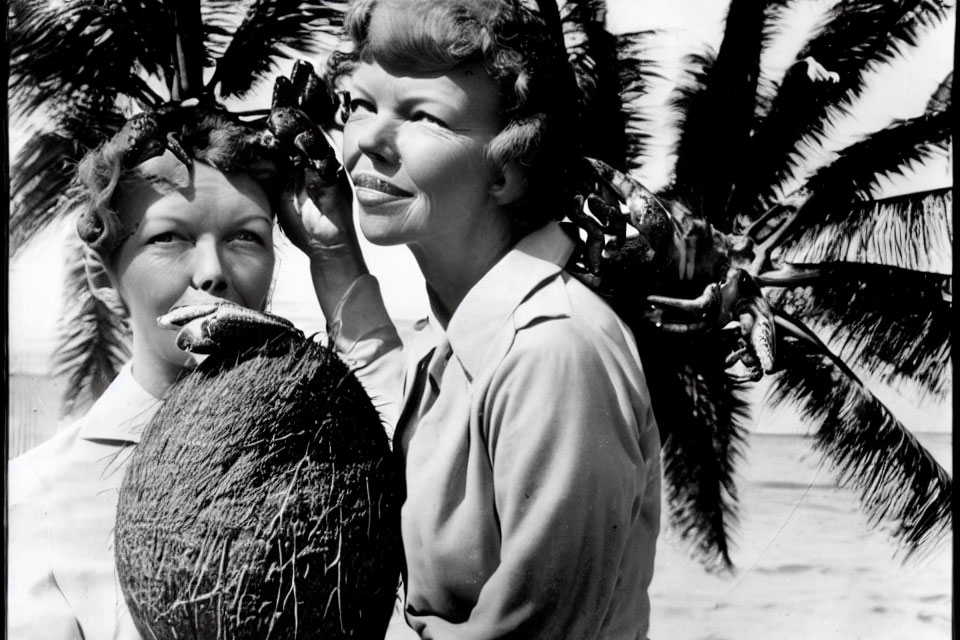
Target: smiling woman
{"points": [[427, 127], [527, 512]]}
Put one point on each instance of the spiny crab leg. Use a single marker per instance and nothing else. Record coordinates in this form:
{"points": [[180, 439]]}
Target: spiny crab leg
{"points": [[604, 226], [657, 231], [789, 209], [737, 300], [638, 198], [209, 327]]}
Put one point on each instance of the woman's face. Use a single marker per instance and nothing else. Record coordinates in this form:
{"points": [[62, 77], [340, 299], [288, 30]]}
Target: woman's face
{"points": [[212, 238], [414, 147]]}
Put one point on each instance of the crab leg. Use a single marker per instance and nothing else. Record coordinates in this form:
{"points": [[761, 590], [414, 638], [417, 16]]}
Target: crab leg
{"points": [[208, 327], [738, 299]]}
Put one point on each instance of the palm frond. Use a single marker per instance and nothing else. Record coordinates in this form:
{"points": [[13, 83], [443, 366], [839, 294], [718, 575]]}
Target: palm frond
{"points": [[220, 19], [778, 26], [92, 340], [912, 231], [594, 56], [701, 416], [83, 48], [39, 185], [719, 115], [269, 28], [860, 36], [855, 173], [892, 323], [637, 72], [900, 484]]}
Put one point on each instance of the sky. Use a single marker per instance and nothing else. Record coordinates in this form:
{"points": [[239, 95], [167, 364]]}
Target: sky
{"points": [[901, 91]]}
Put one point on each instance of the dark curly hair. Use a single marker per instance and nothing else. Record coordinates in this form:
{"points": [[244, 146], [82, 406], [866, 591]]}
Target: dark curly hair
{"points": [[209, 135], [515, 46]]}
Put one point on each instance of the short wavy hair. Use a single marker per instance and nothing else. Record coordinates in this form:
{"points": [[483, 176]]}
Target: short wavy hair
{"points": [[516, 48], [212, 136]]}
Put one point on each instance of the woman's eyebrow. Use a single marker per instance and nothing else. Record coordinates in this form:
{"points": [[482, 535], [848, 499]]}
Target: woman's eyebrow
{"points": [[254, 217], [173, 216]]}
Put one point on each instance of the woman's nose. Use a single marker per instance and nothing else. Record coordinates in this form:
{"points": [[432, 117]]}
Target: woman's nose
{"points": [[208, 272], [377, 139]]}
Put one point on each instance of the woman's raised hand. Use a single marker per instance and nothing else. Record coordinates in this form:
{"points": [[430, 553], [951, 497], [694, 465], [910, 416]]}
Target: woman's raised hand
{"points": [[316, 208], [317, 217]]}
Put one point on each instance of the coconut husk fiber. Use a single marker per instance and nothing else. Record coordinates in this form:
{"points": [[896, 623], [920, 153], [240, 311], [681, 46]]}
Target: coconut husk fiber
{"points": [[261, 503]]}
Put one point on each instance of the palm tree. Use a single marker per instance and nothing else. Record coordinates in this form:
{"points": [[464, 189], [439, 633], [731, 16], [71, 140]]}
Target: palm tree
{"points": [[838, 292], [857, 284]]}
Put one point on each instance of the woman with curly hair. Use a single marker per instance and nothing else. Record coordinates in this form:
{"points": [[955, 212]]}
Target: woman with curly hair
{"points": [[529, 449], [158, 234]]}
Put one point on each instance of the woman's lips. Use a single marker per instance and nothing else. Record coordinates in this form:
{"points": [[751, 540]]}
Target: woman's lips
{"points": [[373, 183]]}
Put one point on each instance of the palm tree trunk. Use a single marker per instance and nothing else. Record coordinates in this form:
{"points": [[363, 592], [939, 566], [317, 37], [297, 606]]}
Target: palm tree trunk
{"points": [[188, 49]]}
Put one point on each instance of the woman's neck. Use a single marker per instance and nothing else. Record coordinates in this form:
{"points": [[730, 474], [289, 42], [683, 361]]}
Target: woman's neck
{"points": [[452, 269], [154, 374]]}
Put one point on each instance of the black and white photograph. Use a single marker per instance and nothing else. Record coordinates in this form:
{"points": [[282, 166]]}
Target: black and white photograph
{"points": [[479, 319]]}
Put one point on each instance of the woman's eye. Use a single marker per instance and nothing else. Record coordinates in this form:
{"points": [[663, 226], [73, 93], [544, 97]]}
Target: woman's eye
{"points": [[162, 238], [248, 236], [420, 116]]}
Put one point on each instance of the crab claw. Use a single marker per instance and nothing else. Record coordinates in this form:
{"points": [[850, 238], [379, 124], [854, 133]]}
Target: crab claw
{"points": [[313, 96], [209, 327], [173, 144], [739, 301], [147, 135], [293, 129], [760, 330], [141, 139], [283, 93]]}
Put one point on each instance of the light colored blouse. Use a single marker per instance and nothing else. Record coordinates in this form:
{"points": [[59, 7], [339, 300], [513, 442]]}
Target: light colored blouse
{"points": [[61, 579], [530, 453]]}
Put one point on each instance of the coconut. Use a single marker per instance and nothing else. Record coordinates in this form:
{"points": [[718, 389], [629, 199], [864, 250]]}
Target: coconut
{"points": [[262, 502]]}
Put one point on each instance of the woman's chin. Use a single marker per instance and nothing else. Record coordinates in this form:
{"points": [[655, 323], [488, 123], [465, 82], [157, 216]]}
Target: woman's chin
{"points": [[382, 232]]}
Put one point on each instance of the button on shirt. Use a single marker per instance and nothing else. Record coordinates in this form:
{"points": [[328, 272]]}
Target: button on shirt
{"points": [[61, 579], [530, 451]]}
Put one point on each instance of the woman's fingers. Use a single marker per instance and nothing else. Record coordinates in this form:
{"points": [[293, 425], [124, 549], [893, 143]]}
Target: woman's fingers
{"points": [[317, 216]]}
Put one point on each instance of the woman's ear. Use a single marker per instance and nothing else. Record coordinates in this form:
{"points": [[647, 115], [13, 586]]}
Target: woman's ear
{"points": [[509, 185], [102, 284]]}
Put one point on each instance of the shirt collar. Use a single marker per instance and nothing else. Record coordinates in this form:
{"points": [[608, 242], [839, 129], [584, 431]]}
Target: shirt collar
{"points": [[121, 413], [538, 257]]}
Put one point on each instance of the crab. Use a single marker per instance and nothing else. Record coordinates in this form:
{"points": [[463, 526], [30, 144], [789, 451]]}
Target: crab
{"points": [[147, 135], [677, 249], [205, 328], [142, 137], [299, 102]]}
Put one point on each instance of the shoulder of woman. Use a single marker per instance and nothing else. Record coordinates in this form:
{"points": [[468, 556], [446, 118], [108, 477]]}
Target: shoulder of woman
{"points": [[564, 316], [35, 470]]}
